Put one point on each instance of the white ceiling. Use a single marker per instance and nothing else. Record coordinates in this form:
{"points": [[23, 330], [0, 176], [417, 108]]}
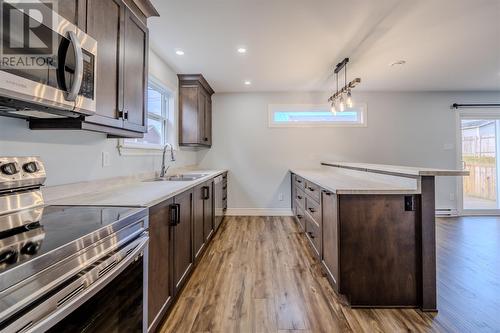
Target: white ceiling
{"points": [[294, 44]]}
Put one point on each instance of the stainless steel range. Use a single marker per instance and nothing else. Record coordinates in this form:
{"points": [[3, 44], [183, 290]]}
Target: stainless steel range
{"points": [[68, 268]]}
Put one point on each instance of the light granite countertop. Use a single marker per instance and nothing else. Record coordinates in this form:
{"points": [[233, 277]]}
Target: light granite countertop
{"points": [[344, 181], [396, 170], [135, 192]]}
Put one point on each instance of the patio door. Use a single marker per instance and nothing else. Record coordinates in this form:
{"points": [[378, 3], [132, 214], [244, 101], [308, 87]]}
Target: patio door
{"points": [[479, 138]]}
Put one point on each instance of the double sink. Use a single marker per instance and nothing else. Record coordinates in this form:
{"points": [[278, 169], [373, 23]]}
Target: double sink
{"points": [[180, 177]]}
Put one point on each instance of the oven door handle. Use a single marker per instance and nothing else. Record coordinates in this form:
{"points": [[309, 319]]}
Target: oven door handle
{"points": [[72, 94], [58, 306]]}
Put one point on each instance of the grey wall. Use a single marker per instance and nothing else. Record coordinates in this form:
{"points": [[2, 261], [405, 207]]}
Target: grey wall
{"points": [[403, 128], [73, 156]]}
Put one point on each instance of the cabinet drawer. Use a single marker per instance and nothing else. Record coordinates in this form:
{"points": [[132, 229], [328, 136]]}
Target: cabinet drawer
{"points": [[313, 232], [300, 216], [314, 209], [313, 191], [299, 181], [300, 198]]}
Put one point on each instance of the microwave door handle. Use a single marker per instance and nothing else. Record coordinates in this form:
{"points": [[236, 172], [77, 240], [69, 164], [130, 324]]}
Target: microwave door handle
{"points": [[78, 77]]}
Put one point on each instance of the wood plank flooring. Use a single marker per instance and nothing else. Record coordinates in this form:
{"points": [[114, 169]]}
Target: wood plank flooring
{"points": [[259, 275]]}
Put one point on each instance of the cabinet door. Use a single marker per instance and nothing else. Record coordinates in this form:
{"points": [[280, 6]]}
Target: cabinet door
{"points": [[135, 67], [188, 115], [183, 257], [330, 236], [202, 98], [198, 209], [160, 265], [208, 211], [104, 24], [208, 120], [73, 11]]}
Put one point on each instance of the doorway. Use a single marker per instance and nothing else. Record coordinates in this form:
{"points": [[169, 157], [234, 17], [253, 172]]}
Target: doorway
{"points": [[479, 141]]}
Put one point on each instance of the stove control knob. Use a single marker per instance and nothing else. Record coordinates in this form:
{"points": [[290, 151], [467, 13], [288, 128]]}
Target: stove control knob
{"points": [[30, 248], [9, 169], [8, 257], [30, 167]]}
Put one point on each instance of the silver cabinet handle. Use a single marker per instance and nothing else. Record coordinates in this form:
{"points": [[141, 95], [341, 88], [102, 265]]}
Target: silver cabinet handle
{"points": [[78, 76]]}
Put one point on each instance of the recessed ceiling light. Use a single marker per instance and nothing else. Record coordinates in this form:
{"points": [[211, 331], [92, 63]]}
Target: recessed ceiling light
{"points": [[179, 52], [398, 63], [242, 50], [247, 82]]}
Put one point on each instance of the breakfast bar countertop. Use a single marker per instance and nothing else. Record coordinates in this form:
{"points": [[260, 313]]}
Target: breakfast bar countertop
{"points": [[344, 181]]}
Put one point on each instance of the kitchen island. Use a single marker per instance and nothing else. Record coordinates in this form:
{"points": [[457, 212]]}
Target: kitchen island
{"points": [[373, 229]]}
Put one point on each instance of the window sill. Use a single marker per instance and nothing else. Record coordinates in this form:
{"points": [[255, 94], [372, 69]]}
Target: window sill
{"points": [[140, 150]]}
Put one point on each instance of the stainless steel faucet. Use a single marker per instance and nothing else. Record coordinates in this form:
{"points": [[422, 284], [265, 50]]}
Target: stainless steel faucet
{"points": [[164, 168]]}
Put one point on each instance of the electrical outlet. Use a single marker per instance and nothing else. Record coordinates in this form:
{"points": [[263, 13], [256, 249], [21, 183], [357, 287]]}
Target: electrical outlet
{"points": [[452, 196], [105, 159], [281, 197]]}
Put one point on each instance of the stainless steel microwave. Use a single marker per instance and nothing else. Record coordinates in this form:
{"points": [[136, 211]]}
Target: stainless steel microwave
{"points": [[62, 84]]}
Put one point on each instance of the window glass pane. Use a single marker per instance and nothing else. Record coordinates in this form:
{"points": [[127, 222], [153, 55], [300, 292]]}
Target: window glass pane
{"points": [[154, 134], [315, 116], [154, 101]]}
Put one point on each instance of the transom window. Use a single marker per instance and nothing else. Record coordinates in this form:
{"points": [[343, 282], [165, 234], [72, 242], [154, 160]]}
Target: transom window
{"points": [[308, 115]]}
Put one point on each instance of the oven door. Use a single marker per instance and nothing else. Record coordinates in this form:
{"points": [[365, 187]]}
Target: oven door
{"points": [[60, 78], [110, 296]]}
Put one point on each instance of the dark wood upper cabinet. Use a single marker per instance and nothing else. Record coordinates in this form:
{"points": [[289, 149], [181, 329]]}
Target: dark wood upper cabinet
{"points": [[119, 27], [104, 24], [74, 11], [135, 75], [160, 293], [195, 111], [183, 250]]}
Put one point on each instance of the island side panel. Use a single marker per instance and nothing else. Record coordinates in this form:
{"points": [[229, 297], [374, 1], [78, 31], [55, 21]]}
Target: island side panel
{"points": [[428, 237], [379, 250]]}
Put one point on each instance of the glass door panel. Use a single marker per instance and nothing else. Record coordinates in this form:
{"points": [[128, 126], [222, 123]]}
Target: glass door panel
{"points": [[479, 155]]}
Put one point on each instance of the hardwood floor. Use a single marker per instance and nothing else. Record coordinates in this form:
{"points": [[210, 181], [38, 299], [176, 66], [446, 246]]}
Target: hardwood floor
{"points": [[259, 275]]}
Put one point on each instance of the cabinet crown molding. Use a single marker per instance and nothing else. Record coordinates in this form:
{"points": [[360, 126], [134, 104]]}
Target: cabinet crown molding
{"points": [[195, 79]]}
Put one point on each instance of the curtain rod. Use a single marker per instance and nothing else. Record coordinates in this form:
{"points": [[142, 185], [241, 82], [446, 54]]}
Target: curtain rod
{"points": [[465, 106]]}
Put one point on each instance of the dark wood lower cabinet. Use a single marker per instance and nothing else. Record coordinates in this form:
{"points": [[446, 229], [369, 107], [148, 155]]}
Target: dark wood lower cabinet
{"points": [[369, 245], [208, 211], [160, 286], [330, 235], [182, 241], [378, 250], [203, 220], [180, 229], [198, 227]]}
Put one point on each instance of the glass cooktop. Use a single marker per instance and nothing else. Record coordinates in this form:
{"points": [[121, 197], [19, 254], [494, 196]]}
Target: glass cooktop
{"points": [[31, 233]]}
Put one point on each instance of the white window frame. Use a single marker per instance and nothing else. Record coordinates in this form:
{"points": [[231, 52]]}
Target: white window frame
{"points": [[131, 148], [272, 108]]}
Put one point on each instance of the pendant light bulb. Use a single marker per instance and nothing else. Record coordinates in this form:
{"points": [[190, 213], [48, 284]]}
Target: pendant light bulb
{"points": [[341, 104], [333, 109], [349, 101]]}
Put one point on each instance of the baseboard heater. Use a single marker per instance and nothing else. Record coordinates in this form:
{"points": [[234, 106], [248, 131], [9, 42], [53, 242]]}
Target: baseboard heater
{"points": [[443, 212]]}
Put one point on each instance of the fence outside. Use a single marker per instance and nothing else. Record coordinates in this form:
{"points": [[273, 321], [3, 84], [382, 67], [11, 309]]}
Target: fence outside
{"points": [[482, 181]]}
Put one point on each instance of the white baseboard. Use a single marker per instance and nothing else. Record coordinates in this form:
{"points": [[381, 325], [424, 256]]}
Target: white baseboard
{"points": [[259, 212]]}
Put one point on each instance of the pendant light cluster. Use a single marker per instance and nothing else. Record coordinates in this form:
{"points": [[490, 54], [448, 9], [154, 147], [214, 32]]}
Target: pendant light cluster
{"points": [[342, 99]]}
